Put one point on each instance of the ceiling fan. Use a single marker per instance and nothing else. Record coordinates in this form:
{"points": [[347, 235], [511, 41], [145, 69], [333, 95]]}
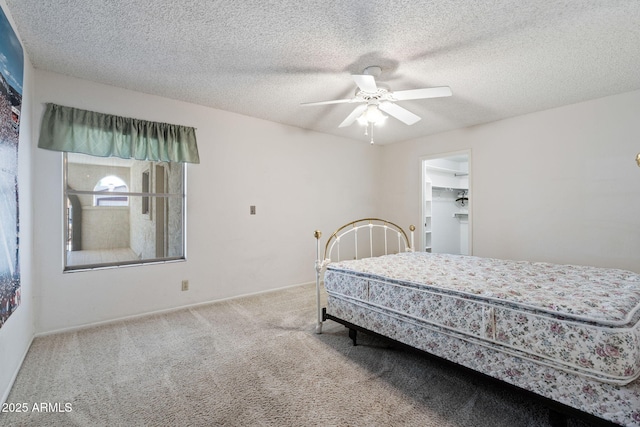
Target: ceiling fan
{"points": [[374, 98]]}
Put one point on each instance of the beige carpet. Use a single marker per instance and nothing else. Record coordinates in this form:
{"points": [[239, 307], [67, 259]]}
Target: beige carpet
{"points": [[251, 361]]}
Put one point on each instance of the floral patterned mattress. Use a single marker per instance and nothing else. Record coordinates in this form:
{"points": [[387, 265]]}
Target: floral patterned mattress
{"points": [[581, 320]]}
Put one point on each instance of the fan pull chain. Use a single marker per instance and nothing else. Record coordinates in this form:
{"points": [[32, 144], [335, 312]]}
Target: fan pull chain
{"points": [[371, 133]]}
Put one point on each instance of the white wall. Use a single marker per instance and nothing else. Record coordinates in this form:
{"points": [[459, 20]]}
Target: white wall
{"points": [[560, 185], [298, 180], [17, 333]]}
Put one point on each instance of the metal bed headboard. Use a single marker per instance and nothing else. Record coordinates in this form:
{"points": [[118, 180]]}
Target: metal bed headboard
{"points": [[366, 224]]}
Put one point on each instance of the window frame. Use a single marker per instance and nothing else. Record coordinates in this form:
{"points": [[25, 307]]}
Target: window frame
{"points": [[146, 200], [151, 195]]}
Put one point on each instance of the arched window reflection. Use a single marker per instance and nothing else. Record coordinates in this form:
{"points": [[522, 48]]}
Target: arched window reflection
{"points": [[111, 185]]}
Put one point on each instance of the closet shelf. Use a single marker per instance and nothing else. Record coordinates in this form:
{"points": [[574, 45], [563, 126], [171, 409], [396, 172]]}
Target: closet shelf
{"points": [[437, 188], [453, 171]]}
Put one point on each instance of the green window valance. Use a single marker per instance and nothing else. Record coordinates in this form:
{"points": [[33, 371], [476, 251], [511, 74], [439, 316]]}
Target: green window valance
{"points": [[79, 131]]}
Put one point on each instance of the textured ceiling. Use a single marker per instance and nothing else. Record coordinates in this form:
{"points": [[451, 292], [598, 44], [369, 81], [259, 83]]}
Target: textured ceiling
{"points": [[262, 58]]}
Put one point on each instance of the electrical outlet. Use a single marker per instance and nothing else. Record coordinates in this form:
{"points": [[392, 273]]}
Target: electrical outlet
{"points": [[252, 210], [185, 285]]}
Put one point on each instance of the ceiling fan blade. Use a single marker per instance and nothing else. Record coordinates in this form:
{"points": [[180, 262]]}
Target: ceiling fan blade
{"points": [[431, 92], [335, 101], [399, 113], [365, 82], [353, 116]]}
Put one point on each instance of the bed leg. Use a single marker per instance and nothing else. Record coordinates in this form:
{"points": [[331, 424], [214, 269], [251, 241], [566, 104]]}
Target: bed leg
{"points": [[353, 334], [319, 266], [556, 419]]}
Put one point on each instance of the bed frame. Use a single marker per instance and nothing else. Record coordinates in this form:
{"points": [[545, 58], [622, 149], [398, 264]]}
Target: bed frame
{"points": [[370, 229], [364, 226]]}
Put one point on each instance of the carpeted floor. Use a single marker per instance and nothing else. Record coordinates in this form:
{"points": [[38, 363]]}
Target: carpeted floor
{"points": [[252, 361]]}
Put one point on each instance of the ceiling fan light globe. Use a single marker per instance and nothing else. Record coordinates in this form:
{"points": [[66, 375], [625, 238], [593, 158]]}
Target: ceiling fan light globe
{"points": [[382, 120], [373, 114]]}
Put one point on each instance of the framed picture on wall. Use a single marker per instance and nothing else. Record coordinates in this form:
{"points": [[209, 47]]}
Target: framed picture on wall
{"points": [[11, 75]]}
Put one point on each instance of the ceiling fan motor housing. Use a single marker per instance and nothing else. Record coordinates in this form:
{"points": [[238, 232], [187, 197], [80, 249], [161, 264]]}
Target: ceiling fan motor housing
{"points": [[373, 70]]}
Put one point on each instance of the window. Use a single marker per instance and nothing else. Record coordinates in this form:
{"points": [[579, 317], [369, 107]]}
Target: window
{"points": [[108, 208], [124, 186]]}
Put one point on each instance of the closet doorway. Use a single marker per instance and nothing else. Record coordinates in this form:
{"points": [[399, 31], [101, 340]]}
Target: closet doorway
{"points": [[446, 203]]}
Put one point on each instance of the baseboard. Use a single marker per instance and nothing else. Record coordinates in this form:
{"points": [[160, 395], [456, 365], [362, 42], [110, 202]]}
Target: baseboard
{"points": [[163, 311], [5, 395]]}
